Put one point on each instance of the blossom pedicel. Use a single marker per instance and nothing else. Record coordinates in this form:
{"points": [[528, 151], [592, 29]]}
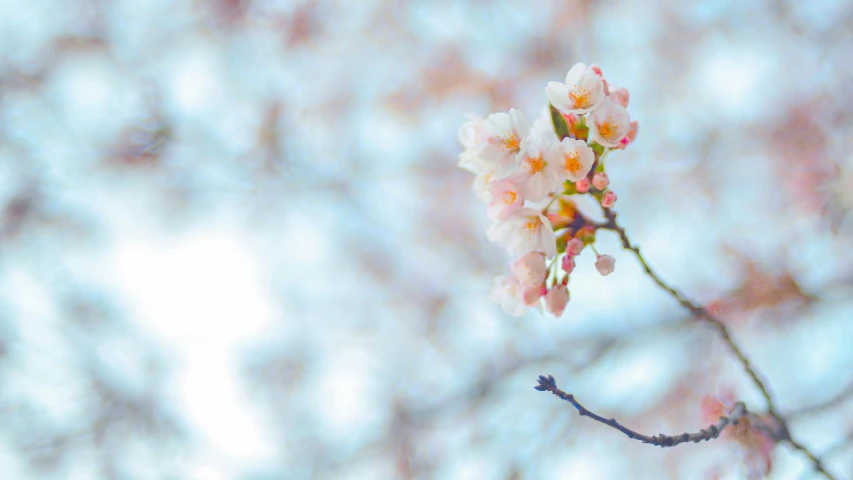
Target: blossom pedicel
{"points": [[526, 175]]}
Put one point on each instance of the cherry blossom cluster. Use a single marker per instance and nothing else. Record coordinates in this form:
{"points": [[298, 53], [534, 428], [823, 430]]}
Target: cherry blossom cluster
{"points": [[527, 174]]}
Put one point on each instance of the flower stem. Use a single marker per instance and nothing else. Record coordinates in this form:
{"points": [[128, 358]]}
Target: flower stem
{"points": [[702, 313]]}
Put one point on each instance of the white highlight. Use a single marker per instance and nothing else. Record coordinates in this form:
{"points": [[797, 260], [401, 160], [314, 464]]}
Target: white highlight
{"points": [[201, 295]]}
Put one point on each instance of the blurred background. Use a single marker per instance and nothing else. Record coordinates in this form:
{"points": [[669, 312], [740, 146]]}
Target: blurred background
{"points": [[235, 244]]}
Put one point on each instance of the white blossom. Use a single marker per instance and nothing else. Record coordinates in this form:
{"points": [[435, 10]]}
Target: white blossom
{"points": [[529, 269], [575, 159], [537, 170], [506, 199], [609, 123], [581, 93], [526, 230], [504, 133], [508, 292]]}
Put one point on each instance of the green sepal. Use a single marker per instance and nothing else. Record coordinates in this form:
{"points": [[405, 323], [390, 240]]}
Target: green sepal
{"points": [[562, 241], [569, 188], [581, 131], [561, 128]]}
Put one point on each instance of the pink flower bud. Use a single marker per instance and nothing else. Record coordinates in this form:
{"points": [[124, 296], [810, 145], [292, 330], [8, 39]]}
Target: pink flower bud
{"points": [[582, 185], [634, 126], [620, 95], [532, 295], [571, 119], [568, 264], [600, 180], [574, 247], [632, 131], [556, 300], [597, 70], [608, 199], [605, 265]]}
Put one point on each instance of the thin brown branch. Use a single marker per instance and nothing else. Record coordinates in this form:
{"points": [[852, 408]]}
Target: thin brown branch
{"points": [[704, 315], [819, 408], [661, 440]]}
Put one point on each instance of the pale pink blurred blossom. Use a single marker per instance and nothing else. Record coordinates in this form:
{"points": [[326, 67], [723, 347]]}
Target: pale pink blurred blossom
{"points": [[529, 269]]}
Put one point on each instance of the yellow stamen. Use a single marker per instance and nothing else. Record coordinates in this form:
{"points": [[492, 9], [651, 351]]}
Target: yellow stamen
{"points": [[572, 163], [509, 197], [511, 141], [579, 97], [607, 129], [534, 164], [531, 227]]}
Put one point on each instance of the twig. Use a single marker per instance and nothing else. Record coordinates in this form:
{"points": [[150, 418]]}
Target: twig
{"points": [[696, 310], [703, 314], [833, 402], [661, 440]]}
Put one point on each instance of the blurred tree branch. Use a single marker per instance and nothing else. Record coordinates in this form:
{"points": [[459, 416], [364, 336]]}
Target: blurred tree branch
{"points": [[701, 313], [548, 384]]}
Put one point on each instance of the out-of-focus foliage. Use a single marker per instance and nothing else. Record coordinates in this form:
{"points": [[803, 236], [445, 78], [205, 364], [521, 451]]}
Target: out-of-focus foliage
{"points": [[234, 242]]}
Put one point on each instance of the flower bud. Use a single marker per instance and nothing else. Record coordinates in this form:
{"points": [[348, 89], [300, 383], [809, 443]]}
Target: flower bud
{"points": [[571, 119], [556, 300], [568, 264], [620, 95], [600, 180], [633, 128], [531, 295], [582, 185], [574, 247], [605, 264], [586, 235], [608, 199]]}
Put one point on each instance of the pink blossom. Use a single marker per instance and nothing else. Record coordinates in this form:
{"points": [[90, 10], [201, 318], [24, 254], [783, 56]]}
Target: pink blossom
{"points": [[529, 269], [574, 159], [538, 169], [609, 123], [526, 230], [600, 180], [597, 70], [605, 264], [581, 93], [506, 199], [620, 96], [556, 299], [608, 199], [582, 185], [568, 264], [571, 119], [574, 247], [503, 134]]}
